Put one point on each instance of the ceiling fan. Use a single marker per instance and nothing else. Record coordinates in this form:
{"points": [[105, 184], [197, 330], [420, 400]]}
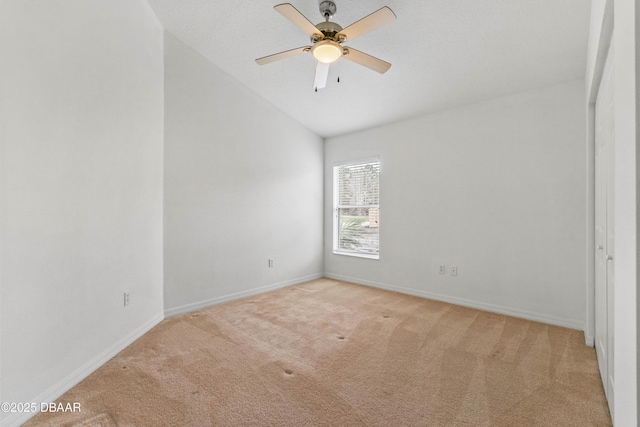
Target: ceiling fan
{"points": [[327, 38]]}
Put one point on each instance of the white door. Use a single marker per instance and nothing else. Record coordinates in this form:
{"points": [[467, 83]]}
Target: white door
{"points": [[604, 233]]}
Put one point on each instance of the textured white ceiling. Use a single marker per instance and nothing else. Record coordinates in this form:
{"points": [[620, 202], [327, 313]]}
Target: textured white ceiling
{"points": [[445, 53]]}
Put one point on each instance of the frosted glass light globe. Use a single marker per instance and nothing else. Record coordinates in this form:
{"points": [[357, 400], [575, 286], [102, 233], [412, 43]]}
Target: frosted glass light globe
{"points": [[326, 51]]}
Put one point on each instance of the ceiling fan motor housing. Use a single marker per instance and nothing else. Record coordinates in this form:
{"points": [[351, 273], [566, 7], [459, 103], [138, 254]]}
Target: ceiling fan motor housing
{"points": [[329, 30]]}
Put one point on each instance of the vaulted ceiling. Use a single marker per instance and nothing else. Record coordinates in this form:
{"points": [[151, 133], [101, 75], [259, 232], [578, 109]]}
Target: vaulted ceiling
{"points": [[445, 53]]}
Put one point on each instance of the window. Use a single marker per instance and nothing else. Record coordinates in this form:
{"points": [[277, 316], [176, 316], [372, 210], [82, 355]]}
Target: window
{"points": [[356, 204]]}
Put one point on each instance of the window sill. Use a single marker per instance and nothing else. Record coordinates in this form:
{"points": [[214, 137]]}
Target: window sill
{"points": [[358, 255]]}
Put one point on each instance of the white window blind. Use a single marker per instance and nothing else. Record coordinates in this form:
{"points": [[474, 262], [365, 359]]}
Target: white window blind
{"points": [[357, 208]]}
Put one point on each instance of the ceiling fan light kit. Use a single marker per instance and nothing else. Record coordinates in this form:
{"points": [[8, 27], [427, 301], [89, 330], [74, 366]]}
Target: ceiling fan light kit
{"points": [[327, 38], [326, 51]]}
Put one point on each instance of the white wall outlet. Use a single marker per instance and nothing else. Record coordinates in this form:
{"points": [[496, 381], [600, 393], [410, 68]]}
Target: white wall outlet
{"points": [[270, 262], [442, 269], [454, 270], [126, 299]]}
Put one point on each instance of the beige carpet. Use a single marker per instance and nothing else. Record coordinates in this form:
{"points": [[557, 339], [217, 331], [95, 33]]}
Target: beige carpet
{"points": [[328, 353]]}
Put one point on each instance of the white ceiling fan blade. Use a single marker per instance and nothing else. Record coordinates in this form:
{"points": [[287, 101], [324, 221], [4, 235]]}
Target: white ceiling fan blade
{"points": [[368, 61], [298, 19], [322, 72], [369, 23], [282, 55]]}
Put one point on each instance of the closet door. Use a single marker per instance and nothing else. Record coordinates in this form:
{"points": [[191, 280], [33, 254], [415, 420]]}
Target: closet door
{"points": [[604, 232]]}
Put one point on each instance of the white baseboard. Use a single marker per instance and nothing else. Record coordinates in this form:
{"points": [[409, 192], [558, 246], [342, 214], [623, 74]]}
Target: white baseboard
{"points": [[57, 390], [589, 340], [199, 305], [611, 398], [537, 317]]}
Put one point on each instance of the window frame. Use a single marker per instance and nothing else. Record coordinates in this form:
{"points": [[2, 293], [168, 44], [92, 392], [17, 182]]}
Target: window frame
{"points": [[337, 207]]}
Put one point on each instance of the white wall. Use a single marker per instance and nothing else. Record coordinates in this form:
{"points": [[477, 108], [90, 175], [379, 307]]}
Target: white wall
{"points": [[243, 183], [81, 109], [616, 21], [496, 189]]}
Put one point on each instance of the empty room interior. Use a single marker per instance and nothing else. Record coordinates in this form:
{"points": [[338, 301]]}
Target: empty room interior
{"points": [[204, 221]]}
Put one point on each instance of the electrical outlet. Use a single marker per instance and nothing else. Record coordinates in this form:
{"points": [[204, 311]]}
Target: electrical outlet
{"points": [[126, 299], [270, 262], [454, 270], [442, 269]]}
